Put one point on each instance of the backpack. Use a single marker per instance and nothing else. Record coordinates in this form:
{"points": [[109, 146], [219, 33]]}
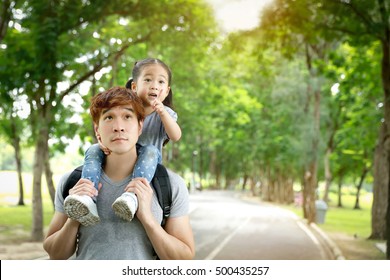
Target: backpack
{"points": [[160, 183]]}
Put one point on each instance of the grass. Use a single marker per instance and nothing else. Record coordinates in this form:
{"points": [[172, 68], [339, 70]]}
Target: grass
{"points": [[349, 228], [356, 222], [16, 221]]}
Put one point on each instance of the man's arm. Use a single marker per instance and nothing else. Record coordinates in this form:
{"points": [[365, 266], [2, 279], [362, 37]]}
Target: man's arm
{"points": [[61, 239], [60, 242], [176, 240]]}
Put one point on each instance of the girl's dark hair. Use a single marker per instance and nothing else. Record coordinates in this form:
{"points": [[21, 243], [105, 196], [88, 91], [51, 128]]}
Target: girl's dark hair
{"points": [[137, 69]]}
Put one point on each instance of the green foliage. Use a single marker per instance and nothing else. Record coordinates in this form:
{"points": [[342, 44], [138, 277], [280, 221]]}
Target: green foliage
{"points": [[241, 98]]}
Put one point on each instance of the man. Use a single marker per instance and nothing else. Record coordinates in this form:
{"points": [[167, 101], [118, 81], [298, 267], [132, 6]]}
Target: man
{"points": [[118, 116]]}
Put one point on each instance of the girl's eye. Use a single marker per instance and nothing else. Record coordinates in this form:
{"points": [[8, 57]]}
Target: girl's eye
{"points": [[162, 82]]}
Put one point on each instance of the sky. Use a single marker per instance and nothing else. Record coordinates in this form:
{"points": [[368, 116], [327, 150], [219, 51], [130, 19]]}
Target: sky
{"points": [[235, 15]]}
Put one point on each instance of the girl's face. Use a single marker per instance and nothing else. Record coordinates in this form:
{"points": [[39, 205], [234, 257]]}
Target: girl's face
{"points": [[152, 84]]}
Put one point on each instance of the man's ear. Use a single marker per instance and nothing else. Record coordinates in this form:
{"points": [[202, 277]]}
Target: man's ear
{"points": [[96, 129], [140, 125]]}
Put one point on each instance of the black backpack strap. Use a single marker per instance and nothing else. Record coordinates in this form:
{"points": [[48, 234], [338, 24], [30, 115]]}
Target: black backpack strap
{"points": [[162, 186], [73, 178]]}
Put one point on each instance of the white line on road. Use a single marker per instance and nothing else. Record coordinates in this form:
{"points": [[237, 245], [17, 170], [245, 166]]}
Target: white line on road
{"points": [[308, 232], [312, 237], [219, 248]]}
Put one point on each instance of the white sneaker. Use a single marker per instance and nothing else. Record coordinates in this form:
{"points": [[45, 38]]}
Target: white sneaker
{"points": [[81, 208], [125, 206]]}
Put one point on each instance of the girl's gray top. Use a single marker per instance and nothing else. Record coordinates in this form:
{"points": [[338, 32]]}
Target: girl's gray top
{"points": [[153, 131], [114, 238]]}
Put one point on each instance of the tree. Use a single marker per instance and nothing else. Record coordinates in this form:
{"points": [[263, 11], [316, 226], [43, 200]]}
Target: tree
{"points": [[289, 25], [358, 22], [354, 107], [70, 42], [362, 23]]}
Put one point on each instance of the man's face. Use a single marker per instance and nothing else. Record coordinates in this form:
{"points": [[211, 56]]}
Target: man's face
{"points": [[119, 129]]}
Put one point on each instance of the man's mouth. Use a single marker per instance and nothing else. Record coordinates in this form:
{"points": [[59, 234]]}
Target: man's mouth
{"points": [[119, 139]]}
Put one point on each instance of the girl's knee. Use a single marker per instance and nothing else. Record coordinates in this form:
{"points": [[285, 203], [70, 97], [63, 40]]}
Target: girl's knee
{"points": [[150, 150]]}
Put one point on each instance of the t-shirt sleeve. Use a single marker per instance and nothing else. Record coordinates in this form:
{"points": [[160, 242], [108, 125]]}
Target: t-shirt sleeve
{"points": [[180, 196], [172, 113], [59, 200]]}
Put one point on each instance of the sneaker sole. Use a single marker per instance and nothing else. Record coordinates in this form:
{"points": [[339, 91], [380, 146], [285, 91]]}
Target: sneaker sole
{"points": [[122, 210], [76, 210]]}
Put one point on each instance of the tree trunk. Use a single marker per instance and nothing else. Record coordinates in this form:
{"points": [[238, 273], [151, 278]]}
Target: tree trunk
{"points": [[218, 182], [380, 191], [49, 175], [37, 223], [359, 187], [309, 191], [328, 174], [340, 195], [253, 186], [309, 198], [201, 165], [5, 17], [310, 178], [244, 181], [385, 71], [266, 186], [18, 160]]}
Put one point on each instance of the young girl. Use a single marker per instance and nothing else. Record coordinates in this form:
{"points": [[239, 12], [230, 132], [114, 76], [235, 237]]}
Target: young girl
{"points": [[151, 81]]}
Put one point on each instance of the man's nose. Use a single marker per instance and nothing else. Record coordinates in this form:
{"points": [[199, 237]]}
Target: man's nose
{"points": [[118, 126]]}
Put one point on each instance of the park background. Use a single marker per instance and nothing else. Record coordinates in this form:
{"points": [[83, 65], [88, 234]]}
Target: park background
{"points": [[289, 108]]}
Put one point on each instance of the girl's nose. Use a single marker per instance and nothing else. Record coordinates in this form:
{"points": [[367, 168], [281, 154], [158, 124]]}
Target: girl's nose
{"points": [[154, 85]]}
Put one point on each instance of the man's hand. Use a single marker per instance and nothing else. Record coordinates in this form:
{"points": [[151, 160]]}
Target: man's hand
{"points": [[144, 192], [84, 187]]}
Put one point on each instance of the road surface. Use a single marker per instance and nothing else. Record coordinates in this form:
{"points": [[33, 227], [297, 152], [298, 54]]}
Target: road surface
{"points": [[229, 228]]}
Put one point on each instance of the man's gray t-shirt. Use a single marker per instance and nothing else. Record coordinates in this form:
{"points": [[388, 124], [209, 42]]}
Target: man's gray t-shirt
{"points": [[114, 238], [153, 131]]}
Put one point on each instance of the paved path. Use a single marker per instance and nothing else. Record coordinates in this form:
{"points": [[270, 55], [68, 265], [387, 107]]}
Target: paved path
{"points": [[228, 228]]}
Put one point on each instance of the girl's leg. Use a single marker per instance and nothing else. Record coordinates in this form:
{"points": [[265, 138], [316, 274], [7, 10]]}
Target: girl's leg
{"points": [[93, 161], [83, 208], [126, 205], [148, 157]]}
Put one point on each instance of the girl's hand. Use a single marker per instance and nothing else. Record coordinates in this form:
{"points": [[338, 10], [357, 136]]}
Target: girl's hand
{"points": [[158, 106], [105, 150]]}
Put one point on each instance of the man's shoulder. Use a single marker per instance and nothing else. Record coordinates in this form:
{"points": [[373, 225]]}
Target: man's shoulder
{"points": [[177, 182], [173, 176], [66, 179], [65, 176]]}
